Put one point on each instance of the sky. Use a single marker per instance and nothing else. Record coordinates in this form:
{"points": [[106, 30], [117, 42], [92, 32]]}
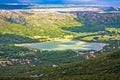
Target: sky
{"points": [[84, 2]]}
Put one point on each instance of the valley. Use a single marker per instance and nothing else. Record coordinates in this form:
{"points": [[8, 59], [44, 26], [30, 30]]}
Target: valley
{"points": [[18, 27]]}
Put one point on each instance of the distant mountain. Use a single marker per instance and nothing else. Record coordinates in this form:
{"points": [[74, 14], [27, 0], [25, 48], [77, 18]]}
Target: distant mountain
{"points": [[38, 21], [102, 18], [111, 9]]}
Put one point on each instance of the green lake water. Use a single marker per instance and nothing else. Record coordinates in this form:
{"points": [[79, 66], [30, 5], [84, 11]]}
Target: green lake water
{"points": [[65, 45]]}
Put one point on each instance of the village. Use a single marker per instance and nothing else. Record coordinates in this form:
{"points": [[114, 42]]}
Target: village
{"points": [[4, 61], [88, 54], [14, 61]]}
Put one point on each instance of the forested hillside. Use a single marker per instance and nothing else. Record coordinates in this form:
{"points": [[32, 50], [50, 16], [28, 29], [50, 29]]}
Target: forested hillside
{"points": [[105, 67]]}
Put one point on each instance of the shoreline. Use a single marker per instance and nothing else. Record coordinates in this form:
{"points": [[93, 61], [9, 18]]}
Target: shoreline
{"points": [[66, 40], [76, 44]]}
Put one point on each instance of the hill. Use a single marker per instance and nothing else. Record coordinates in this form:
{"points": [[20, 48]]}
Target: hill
{"points": [[36, 24], [105, 67], [48, 25]]}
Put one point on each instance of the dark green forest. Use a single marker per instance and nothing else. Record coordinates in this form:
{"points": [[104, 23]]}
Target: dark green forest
{"points": [[104, 67]]}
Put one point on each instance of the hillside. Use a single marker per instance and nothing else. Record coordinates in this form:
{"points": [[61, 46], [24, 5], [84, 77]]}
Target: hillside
{"points": [[36, 24], [48, 25], [105, 67]]}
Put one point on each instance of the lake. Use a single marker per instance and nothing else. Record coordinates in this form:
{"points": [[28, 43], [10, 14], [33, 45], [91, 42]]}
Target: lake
{"points": [[65, 44]]}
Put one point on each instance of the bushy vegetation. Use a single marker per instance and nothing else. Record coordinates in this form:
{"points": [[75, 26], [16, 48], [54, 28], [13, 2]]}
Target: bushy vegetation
{"points": [[105, 67]]}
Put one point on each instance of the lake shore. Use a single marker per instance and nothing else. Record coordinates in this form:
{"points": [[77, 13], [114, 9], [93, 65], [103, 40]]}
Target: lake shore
{"points": [[65, 44]]}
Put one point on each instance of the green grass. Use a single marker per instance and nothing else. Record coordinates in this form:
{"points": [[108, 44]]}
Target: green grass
{"points": [[40, 24]]}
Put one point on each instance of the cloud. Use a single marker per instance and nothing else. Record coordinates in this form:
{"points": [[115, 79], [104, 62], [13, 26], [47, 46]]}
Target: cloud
{"points": [[83, 2], [80, 0], [29, 1], [86, 0]]}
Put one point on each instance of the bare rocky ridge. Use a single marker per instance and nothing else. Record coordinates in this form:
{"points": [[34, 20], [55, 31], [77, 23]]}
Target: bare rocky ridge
{"points": [[12, 16], [101, 18]]}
